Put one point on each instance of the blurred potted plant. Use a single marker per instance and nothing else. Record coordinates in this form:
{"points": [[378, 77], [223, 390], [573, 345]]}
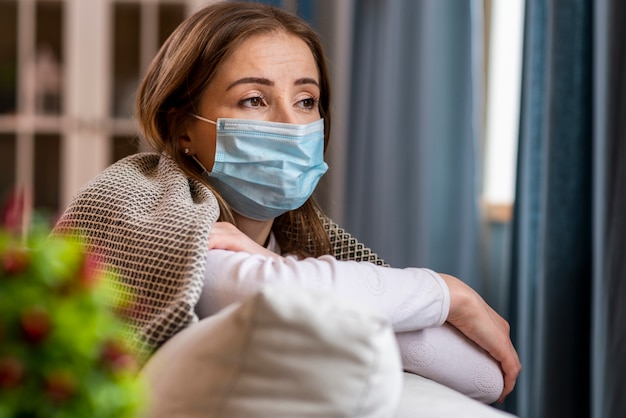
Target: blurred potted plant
{"points": [[62, 351]]}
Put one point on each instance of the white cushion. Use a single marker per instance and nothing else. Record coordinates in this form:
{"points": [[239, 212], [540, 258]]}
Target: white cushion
{"points": [[424, 398], [285, 352]]}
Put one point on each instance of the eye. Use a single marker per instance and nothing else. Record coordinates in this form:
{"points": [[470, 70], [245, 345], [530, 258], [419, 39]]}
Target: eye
{"points": [[309, 103], [253, 102]]}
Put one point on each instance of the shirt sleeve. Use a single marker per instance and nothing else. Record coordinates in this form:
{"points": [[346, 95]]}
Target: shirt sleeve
{"points": [[410, 298]]}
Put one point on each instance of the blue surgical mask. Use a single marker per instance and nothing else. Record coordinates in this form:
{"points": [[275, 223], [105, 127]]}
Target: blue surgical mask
{"points": [[264, 169]]}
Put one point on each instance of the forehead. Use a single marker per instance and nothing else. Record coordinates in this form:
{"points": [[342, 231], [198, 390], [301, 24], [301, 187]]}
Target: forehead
{"points": [[270, 52]]}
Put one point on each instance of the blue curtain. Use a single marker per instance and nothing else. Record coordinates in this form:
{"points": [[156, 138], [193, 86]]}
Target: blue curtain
{"points": [[568, 272], [609, 284], [412, 169]]}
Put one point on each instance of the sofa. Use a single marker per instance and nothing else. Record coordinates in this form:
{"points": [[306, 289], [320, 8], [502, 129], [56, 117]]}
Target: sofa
{"points": [[289, 352]]}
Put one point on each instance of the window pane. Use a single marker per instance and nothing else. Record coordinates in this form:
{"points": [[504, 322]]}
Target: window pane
{"points": [[47, 173], [8, 56], [49, 57], [7, 164], [170, 16], [124, 146], [125, 57]]}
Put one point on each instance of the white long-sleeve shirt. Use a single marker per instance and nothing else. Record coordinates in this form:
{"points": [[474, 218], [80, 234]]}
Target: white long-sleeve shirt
{"points": [[410, 298]]}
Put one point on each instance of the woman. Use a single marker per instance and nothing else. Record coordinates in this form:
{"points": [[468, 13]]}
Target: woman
{"points": [[236, 104]]}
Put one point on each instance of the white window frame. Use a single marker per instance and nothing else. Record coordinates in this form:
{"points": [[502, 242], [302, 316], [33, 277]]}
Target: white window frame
{"points": [[85, 126]]}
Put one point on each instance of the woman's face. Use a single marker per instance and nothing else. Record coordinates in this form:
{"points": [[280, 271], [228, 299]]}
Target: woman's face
{"points": [[269, 77]]}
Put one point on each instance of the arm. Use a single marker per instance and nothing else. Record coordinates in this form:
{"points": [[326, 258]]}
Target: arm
{"points": [[410, 302], [448, 357], [410, 298], [468, 312], [471, 315]]}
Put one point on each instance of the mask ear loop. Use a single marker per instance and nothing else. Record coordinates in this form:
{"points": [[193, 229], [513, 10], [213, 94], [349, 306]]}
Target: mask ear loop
{"points": [[203, 119], [205, 173]]}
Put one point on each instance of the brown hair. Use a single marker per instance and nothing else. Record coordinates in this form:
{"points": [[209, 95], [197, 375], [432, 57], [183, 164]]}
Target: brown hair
{"points": [[184, 66]]}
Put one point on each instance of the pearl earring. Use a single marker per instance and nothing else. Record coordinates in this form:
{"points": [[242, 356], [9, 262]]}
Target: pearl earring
{"points": [[186, 151]]}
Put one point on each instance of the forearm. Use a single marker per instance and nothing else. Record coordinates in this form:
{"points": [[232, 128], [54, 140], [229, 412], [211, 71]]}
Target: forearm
{"points": [[445, 355], [410, 298]]}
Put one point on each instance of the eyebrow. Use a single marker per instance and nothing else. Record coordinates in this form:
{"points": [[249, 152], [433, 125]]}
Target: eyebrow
{"points": [[266, 82], [306, 80]]}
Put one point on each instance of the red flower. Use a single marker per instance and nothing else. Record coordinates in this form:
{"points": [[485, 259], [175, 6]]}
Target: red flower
{"points": [[15, 261], [117, 357], [35, 324], [60, 386]]}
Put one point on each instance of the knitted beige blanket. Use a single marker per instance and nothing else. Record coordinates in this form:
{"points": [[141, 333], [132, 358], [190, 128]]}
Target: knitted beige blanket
{"points": [[151, 224]]}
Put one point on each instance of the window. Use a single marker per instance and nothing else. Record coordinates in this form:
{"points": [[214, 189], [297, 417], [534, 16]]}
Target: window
{"points": [[503, 98], [68, 74]]}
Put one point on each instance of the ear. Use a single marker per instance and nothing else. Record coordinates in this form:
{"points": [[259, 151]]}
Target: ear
{"points": [[184, 142], [179, 131]]}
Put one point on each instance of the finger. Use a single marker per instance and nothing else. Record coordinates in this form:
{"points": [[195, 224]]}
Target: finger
{"points": [[511, 369], [509, 384], [220, 236], [511, 366], [500, 347], [216, 242]]}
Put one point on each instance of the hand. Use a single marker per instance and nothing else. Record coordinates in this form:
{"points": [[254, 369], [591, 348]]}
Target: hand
{"points": [[226, 236], [471, 315]]}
